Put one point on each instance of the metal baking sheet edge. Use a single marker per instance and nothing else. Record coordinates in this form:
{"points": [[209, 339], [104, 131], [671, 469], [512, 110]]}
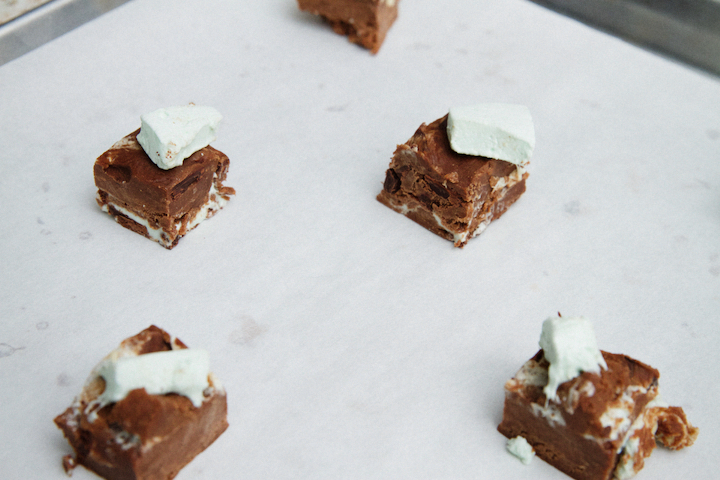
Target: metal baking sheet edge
{"points": [[686, 31], [49, 21]]}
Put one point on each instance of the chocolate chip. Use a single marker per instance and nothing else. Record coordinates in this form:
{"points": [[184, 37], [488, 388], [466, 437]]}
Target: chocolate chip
{"points": [[118, 173], [425, 199], [183, 186], [392, 181], [438, 189]]}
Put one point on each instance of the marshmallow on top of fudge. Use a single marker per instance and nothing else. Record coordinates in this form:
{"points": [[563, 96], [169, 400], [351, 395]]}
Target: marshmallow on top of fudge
{"points": [[135, 364], [569, 345], [501, 131], [170, 135], [183, 371]]}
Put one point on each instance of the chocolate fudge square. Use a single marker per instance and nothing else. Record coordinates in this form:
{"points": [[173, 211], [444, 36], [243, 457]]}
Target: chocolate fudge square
{"points": [[453, 195], [162, 205], [364, 22], [602, 426], [141, 437]]}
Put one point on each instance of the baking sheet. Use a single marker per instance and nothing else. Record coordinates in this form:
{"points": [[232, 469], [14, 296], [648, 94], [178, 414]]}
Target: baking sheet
{"points": [[27, 24], [352, 342], [687, 31], [10, 9]]}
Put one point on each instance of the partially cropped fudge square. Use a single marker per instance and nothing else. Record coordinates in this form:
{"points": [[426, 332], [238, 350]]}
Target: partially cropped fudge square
{"points": [[364, 22], [453, 195], [142, 436], [162, 205], [598, 425]]}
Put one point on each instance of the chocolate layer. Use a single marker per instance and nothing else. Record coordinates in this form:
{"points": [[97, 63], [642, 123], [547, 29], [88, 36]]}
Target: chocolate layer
{"points": [[364, 22], [602, 426], [453, 195], [149, 437], [160, 204]]}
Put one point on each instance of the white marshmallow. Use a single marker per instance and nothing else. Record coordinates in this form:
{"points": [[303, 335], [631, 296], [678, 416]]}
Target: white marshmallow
{"points": [[183, 371], [170, 135], [570, 346], [494, 130], [520, 447]]}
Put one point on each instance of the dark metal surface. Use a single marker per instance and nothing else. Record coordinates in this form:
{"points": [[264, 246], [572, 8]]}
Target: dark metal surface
{"points": [[685, 30], [47, 22]]}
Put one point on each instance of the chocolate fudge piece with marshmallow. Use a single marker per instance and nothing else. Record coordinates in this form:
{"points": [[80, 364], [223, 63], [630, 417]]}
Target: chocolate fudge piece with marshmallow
{"points": [[143, 435], [453, 195], [162, 205], [601, 425]]}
